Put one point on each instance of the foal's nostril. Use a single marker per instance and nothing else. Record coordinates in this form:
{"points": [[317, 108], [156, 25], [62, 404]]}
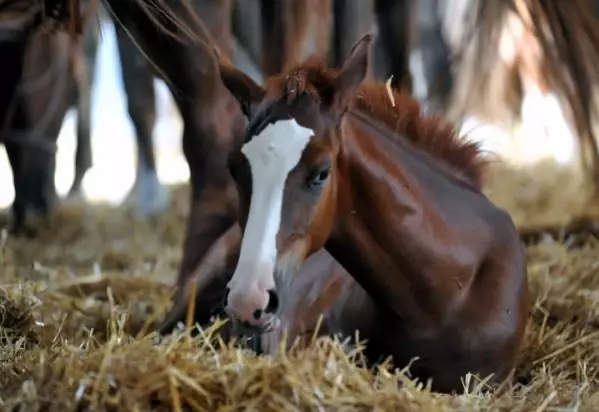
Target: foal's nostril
{"points": [[257, 314], [273, 302]]}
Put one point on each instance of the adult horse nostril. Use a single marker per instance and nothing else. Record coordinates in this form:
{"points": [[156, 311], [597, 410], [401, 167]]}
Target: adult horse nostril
{"points": [[273, 302]]}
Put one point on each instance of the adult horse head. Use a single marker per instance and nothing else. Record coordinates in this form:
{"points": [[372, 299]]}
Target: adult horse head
{"points": [[329, 160]]}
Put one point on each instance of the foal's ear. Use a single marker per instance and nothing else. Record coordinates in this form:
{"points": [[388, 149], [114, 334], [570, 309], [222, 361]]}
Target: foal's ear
{"points": [[247, 92], [352, 73]]}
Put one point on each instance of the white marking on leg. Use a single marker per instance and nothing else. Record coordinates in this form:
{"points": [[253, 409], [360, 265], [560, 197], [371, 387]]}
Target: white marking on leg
{"points": [[272, 155]]}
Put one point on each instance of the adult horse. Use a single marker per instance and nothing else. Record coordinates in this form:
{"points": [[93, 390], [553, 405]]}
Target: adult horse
{"points": [[328, 161]]}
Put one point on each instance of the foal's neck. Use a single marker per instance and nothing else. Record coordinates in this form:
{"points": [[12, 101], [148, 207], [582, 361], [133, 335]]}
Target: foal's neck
{"points": [[389, 227]]}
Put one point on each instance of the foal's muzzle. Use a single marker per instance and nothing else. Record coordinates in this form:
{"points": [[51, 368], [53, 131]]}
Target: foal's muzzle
{"points": [[253, 309]]}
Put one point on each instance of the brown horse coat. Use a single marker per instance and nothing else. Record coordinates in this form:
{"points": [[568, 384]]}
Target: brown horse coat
{"points": [[437, 271]]}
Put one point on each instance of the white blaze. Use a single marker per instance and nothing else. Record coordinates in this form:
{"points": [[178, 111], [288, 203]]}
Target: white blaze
{"points": [[272, 155]]}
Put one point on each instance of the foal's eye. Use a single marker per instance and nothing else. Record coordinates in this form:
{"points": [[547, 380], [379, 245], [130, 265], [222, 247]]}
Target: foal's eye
{"points": [[319, 178]]}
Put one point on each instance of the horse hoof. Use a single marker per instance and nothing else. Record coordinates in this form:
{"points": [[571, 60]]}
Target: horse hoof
{"points": [[74, 197], [21, 229], [153, 203], [148, 196]]}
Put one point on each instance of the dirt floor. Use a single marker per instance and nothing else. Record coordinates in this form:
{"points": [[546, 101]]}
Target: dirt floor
{"points": [[71, 300]]}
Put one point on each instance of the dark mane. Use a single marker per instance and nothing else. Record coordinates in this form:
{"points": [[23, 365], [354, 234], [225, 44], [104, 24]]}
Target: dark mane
{"points": [[406, 120]]}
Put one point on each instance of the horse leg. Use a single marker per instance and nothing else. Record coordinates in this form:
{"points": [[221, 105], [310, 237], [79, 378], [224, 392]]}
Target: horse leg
{"points": [[292, 30], [226, 17], [271, 61], [212, 118], [245, 26], [84, 62], [322, 22], [394, 21], [147, 193], [13, 57], [33, 172], [208, 280], [352, 18], [13, 52], [40, 110], [294, 23], [436, 56], [14, 154], [310, 31]]}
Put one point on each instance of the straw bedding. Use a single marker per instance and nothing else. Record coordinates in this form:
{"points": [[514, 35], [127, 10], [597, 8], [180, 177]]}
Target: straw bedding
{"points": [[75, 305]]}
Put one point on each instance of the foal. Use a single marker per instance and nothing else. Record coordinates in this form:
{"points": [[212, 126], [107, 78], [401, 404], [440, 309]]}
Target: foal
{"points": [[331, 161]]}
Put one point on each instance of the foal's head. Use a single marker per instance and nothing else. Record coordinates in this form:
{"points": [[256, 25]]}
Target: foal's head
{"points": [[285, 173]]}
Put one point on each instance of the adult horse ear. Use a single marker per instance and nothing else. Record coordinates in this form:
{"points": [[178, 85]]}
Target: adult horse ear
{"points": [[247, 92], [352, 73]]}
